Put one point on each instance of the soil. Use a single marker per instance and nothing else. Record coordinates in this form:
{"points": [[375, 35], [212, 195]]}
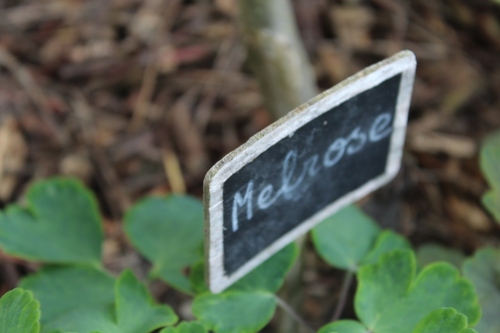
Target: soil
{"points": [[140, 98]]}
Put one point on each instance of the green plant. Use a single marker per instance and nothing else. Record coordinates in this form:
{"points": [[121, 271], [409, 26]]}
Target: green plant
{"points": [[490, 165], [483, 269], [391, 296], [74, 293], [63, 230], [19, 312]]}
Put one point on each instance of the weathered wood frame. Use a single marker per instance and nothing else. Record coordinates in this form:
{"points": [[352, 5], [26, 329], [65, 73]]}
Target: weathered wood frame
{"points": [[404, 62]]}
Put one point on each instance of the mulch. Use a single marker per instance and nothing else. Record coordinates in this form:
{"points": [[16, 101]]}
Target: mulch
{"points": [[141, 98]]}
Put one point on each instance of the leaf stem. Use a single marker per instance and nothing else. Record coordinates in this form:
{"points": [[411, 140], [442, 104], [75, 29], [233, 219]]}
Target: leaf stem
{"points": [[346, 285], [293, 314]]}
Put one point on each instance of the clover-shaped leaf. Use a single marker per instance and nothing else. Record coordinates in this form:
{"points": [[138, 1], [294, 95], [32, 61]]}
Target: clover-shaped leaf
{"points": [[71, 298], [446, 320], [186, 327], [387, 241], [19, 312], [490, 164], [345, 238], [483, 270], [60, 224], [86, 300], [136, 311], [168, 232], [392, 298], [350, 238], [254, 293]]}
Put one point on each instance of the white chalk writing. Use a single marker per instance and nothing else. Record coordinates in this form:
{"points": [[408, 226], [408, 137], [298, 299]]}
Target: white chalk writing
{"points": [[292, 179]]}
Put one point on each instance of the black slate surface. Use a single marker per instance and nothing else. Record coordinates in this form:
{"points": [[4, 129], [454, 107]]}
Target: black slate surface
{"points": [[306, 171]]}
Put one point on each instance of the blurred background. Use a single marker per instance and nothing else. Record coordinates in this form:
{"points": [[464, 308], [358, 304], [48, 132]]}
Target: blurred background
{"points": [[141, 97]]}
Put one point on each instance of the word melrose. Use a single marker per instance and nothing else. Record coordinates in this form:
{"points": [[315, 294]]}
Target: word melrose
{"points": [[295, 173]]}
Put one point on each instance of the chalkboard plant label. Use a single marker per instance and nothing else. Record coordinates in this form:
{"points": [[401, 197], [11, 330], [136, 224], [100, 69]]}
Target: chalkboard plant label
{"points": [[327, 153]]}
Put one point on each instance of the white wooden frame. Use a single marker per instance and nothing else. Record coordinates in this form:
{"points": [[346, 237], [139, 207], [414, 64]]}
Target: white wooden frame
{"points": [[404, 62]]}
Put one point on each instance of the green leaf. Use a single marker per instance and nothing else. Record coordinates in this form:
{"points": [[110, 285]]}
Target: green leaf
{"points": [[168, 232], [72, 298], [430, 253], [235, 311], [60, 224], [270, 275], [491, 201], [483, 270], [386, 241], [197, 278], [490, 160], [136, 310], [391, 298], [186, 327], [254, 293], [490, 164], [345, 238], [344, 326], [445, 320], [85, 300], [19, 312]]}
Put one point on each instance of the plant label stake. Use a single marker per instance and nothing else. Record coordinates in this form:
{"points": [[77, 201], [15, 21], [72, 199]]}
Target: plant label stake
{"points": [[327, 153]]}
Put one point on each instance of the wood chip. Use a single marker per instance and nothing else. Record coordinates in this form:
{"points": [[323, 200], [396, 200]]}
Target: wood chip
{"points": [[13, 153], [353, 24], [453, 145], [470, 214]]}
